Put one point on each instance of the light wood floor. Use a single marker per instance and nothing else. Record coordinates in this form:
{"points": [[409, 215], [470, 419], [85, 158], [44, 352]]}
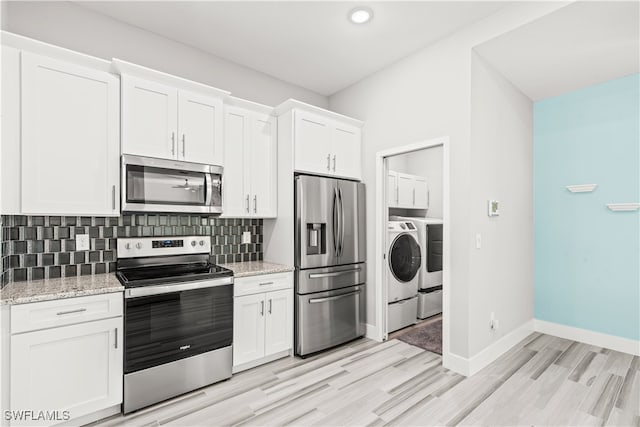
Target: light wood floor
{"points": [[543, 381]]}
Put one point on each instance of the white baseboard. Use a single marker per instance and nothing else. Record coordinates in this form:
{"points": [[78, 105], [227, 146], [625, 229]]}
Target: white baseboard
{"points": [[599, 339], [469, 366], [372, 332]]}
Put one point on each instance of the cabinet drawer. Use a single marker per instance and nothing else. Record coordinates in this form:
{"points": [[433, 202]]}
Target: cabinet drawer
{"points": [[50, 314], [262, 283]]}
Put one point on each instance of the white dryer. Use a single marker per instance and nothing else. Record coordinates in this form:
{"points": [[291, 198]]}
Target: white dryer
{"points": [[430, 282], [404, 258]]}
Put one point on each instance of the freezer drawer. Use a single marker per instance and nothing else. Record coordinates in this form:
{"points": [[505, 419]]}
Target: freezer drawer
{"points": [[429, 304], [402, 314], [329, 278], [326, 319]]}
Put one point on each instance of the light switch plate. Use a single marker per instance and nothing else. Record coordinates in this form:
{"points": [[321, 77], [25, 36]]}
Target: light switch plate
{"points": [[494, 207], [246, 237], [83, 243]]}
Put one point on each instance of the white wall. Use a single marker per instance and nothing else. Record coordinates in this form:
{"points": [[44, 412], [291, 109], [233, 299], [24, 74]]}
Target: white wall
{"points": [[501, 272], [424, 96], [74, 27]]}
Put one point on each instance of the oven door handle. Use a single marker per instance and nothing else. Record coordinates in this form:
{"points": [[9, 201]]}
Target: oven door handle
{"points": [[145, 291]]}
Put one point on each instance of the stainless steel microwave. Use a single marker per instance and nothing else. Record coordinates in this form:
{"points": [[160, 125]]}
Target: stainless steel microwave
{"points": [[159, 185]]}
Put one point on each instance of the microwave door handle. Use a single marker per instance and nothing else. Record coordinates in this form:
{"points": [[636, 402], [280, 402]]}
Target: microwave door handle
{"points": [[209, 189]]}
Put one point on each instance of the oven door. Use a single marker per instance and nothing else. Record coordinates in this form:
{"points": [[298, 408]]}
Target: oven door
{"points": [[165, 327], [157, 185]]}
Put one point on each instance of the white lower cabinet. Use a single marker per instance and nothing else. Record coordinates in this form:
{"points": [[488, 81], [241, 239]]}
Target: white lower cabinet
{"points": [[262, 319], [70, 371]]}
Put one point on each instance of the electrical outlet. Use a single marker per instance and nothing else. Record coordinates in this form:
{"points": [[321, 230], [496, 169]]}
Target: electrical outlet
{"points": [[478, 241], [83, 243], [246, 237]]}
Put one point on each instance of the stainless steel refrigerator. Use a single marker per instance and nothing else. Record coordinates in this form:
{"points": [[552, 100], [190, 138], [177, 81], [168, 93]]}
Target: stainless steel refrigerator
{"points": [[330, 262]]}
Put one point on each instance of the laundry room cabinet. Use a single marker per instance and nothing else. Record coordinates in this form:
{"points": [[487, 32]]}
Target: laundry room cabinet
{"points": [[250, 146], [324, 142], [407, 191], [170, 118], [262, 319]]}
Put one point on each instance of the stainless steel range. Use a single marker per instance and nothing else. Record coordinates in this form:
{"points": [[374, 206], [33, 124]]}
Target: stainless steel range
{"points": [[178, 321]]}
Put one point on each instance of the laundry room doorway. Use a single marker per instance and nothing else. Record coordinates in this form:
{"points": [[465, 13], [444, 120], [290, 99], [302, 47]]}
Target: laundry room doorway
{"points": [[412, 237]]}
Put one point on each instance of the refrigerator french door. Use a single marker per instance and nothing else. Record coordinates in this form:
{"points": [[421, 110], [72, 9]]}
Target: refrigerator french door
{"points": [[330, 262]]}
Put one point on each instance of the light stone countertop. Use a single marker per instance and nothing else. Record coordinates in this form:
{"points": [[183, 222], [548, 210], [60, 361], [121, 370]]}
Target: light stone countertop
{"points": [[51, 289], [255, 268]]}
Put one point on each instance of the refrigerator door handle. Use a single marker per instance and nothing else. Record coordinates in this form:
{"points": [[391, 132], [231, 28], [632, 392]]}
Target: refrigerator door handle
{"points": [[334, 228], [341, 221]]}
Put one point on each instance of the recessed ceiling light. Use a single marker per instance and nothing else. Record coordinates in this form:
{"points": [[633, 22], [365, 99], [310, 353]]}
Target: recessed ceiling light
{"points": [[360, 15]]}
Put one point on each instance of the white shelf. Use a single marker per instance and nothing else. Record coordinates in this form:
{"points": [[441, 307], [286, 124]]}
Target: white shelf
{"points": [[582, 188], [623, 207]]}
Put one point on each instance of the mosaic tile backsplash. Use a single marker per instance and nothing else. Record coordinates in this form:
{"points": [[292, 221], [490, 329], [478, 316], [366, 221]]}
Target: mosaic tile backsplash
{"points": [[38, 247]]}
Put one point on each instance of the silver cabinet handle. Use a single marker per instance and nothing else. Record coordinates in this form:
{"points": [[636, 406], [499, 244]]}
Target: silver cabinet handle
{"points": [[184, 145], [62, 313], [255, 203], [116, 336], [329, 161], [247, 203], [334, 162], [113, 197], [266, 283], [173, 143], [333, 274], [326, 299], [414, 197], [397, 194], [261, 308], [270, 305]]}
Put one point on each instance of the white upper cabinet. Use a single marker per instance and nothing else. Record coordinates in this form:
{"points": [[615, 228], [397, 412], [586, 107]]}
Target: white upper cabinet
{"points": [[169, 117], [200, 128], [324, 143], [149, 118], [70, 138], [250, 153], [407, 191]]}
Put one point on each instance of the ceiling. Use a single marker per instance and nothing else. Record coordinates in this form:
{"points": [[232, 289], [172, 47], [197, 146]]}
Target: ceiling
{"points": [[309, 44], [582, 44]]}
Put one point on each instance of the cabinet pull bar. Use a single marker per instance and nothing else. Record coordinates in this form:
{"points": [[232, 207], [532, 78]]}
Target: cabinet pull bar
{"points": [[247, 203], [173, 143], [184, 145], [414, 196], [116, 336], [255, 203], [113, 197], [270, 304], [62, 313], [334, 162], [266, 283], [329, 161], [262, 308]]}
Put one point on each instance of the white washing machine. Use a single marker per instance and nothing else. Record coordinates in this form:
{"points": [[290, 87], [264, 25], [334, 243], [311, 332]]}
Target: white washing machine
{"points": [[404, 258], [430, 276]]}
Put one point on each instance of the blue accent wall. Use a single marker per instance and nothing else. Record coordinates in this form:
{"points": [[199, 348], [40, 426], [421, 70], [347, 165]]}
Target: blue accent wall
{"points": [[587, 258]]}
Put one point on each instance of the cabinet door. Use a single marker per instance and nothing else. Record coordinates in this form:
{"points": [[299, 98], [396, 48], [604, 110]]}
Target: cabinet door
{"points": [[279, 321], [235, 187], [345, 153], [75, 368], [149, 118], [312, 143], [10, 147], [263, 166], [392, 189], [70, 138], [405, 190], [200, 128], [422, 190], [248, 328]]}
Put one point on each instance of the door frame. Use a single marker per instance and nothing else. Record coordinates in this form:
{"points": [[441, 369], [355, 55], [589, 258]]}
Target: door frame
{"points": [[382, 217]]}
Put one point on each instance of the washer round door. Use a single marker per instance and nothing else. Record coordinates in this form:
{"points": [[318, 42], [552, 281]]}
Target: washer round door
{"points": [[404, 258]]}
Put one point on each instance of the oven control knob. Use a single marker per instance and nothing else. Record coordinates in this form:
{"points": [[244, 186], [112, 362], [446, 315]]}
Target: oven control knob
{"points": [[127, 246], [201, 242], [193, 243], [138, 245]]}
